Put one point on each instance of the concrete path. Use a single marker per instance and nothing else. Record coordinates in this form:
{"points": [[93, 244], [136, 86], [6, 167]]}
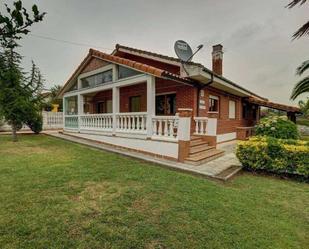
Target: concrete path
{"points": [[211, 169]]}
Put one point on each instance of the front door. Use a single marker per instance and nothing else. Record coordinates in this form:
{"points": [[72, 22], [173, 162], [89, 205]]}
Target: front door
{"points": [[166, 105]]}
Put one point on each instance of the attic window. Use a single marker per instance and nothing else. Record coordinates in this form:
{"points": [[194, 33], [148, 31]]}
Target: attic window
{"points": [[125, 72], [97, 79]]}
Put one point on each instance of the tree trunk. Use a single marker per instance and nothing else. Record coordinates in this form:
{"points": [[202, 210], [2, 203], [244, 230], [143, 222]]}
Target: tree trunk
{"points": [[14, 133]]}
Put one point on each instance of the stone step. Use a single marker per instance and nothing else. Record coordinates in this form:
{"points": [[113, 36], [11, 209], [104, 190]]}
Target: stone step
{"points": [[200, 148], [194, 138], [229, 172], [204, 157], [197, 143]]}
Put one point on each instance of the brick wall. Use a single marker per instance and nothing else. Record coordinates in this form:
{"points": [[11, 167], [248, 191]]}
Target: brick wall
{"points": [[94, 64], [225, 124], [131, 91]]}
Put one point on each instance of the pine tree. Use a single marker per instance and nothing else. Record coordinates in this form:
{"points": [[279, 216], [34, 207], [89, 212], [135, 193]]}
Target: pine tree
{"points": [[19, 93]]}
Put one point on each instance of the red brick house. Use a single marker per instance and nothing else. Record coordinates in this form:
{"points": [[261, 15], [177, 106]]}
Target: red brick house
{"points": [[155, 104]]}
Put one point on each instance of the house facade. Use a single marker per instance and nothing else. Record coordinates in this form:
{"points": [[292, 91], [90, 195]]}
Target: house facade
{"points": [[158, 105]]}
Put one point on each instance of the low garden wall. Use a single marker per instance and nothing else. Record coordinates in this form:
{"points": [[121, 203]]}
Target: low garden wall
{"points": [[51, 120]]}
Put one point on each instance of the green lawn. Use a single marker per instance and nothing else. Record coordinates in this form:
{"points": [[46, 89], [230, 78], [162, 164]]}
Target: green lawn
{"points": [[55, 194]]}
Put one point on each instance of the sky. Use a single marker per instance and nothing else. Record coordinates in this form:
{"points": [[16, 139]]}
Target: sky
{"points": [[259, 53]]}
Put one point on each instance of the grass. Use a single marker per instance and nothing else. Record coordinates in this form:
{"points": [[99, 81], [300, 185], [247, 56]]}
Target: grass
{"points": [[56, 194]]}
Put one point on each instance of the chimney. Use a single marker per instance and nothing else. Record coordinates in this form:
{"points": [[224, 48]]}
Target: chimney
{"points": [[217, 57]]}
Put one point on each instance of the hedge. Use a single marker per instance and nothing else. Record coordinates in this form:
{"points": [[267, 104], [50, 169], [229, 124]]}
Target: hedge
{"points": [[280, 156]]}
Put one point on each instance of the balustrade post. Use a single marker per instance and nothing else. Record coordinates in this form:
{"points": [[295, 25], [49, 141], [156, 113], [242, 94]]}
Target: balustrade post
{"points": [[115, 108], [184, 132], [151, 103]]}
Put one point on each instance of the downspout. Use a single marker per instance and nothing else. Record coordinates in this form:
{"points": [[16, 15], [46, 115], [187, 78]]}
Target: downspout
{"points": [[199, 91]]}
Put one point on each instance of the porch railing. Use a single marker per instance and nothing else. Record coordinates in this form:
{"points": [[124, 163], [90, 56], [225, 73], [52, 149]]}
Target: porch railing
{"points": [[100, 122], [71, 121], [165, 127], [134, 122], [200, 125], [52, 120]]}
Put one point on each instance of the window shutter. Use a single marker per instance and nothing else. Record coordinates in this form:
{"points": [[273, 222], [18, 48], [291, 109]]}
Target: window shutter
{"points": [[232, 109]]}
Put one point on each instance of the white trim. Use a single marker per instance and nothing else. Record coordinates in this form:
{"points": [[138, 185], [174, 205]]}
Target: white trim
{"points": [[96, 71], [226, 137], [107, 86], [165, 93], [214, 97]]}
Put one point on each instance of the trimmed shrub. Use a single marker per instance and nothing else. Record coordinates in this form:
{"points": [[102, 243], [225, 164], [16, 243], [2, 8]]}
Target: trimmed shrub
{"points": [[36, 123], [273, 155], [277, 127]]}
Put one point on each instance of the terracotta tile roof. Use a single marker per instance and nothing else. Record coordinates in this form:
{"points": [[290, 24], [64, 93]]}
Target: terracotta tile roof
{"points": [[173, 59], [165, 57], [273, 105]]}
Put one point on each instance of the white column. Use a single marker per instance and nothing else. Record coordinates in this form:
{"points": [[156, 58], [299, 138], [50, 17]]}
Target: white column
{"points": [[115, 107], [80, 108], [151, 103], [64, 110]]}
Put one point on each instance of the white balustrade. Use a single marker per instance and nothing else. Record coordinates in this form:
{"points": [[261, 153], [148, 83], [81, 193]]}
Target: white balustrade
{"points": [[200, 125], [165, 127], [52, 120], [131, 122], [102, 122], [71, 121]]}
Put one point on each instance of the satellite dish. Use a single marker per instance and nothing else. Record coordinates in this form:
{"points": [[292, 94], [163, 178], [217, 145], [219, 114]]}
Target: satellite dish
{"points": [[183, 51]]}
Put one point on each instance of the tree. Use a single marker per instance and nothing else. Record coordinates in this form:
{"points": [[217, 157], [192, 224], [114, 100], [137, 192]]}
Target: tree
{"points": [[17, 23], [303, 30], [19, 92], [20, 98], [304, 107], [303, 85], [55, 90]]}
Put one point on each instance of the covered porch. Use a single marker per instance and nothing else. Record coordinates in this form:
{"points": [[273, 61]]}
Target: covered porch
{"points": [[141, 107]]}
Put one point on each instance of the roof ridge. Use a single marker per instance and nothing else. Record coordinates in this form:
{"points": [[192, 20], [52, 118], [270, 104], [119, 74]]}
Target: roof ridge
{"points": [[155, 54]]}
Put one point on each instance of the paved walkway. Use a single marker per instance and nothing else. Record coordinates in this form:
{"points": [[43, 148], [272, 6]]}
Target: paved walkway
{"points": [[210, 169]]}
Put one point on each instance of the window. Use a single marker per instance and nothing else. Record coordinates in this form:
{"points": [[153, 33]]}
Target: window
{"points": [[105, 106], [125, 72], [71, 107], [97, 79], [244, 110], [135, 104], [213, 104], [232, 109], [166, 104]]}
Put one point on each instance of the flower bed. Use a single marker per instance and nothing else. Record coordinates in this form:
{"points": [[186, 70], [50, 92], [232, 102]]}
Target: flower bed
{"points": [[280, 156]]}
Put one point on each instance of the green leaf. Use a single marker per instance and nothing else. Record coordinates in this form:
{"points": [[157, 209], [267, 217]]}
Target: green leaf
{"points": [[35, 10], [18, 5]]}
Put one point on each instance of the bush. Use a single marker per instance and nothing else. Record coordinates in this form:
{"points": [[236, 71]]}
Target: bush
{"points": [[36, 123], [277, 127], [275, 155]]}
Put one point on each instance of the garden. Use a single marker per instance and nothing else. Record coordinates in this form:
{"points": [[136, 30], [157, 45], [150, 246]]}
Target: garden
{"points": [[277, 148]]}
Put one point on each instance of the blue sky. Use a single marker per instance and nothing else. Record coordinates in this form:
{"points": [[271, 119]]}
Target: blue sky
{"points": [[256, 35]]}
